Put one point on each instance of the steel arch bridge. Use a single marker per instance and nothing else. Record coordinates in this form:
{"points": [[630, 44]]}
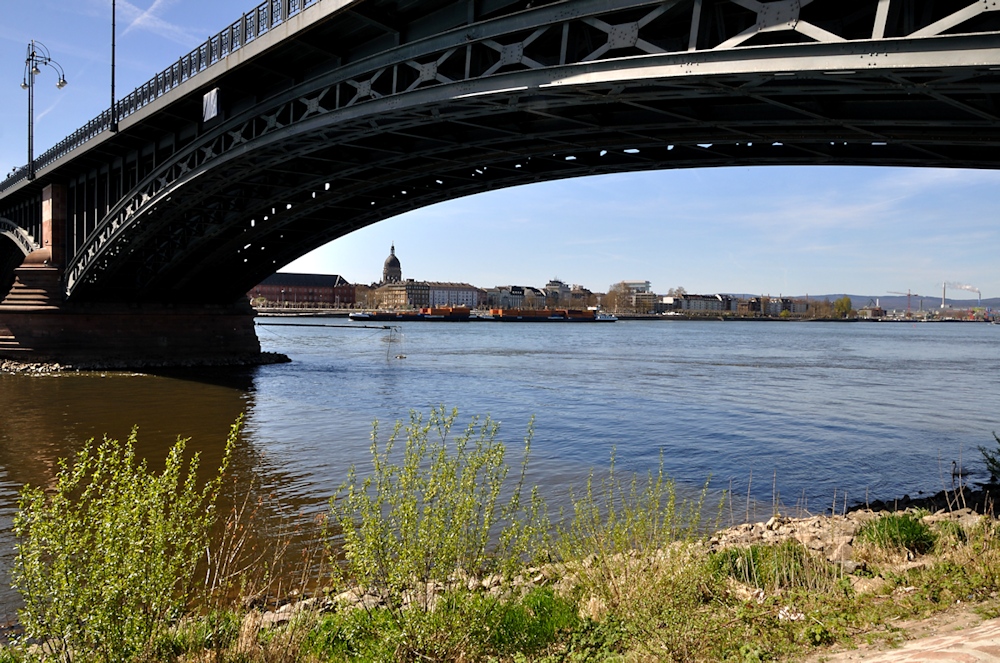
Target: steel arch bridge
{"points": [[336, 114]]}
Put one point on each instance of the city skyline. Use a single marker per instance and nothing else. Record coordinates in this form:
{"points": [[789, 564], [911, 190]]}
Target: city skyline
{"points": [[710, 246], [773, 230]]}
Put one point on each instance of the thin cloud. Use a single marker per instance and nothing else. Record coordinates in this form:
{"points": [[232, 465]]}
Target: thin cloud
{"points": [[151, 21], [52, 107]]}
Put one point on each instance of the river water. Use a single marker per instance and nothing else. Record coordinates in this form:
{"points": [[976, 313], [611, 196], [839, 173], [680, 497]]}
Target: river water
{"points": [[806, 414]]}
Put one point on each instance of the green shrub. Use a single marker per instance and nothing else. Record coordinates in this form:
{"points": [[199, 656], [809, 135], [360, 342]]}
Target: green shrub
{"points": [[615, 517], [817, 634], [438, 511], [620, 529], [630, 545], [354, 635], [603, 641], [212, 632], [105, 562], [464, 626], [533, 622], [992, 459], [897, 531]]}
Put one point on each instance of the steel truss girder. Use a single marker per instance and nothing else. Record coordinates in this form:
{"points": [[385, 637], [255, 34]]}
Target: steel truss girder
{"points": [[18, 235], [810, 129], [528, 64]]}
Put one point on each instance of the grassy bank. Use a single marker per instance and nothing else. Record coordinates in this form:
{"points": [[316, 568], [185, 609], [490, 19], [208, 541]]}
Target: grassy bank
{"points": [[440, 552]]}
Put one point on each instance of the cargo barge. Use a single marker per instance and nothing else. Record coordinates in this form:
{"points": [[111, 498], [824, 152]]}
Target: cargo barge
{"points": [[546, 315], [437, 314]]}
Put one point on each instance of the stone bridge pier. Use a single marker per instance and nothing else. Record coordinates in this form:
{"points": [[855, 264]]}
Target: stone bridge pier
{"points": [[38, 324]]}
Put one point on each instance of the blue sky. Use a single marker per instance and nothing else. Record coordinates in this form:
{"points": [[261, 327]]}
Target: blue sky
{"points": [[764, 230]]}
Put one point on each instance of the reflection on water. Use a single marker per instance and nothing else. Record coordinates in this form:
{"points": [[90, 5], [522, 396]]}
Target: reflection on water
{"points": [[46, 418]]}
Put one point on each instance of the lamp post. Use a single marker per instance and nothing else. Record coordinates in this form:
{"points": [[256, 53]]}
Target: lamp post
{"points": [[114, 108], [38, 55]]}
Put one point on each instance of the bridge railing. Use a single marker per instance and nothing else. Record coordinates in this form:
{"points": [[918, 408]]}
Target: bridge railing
{"points": [[246, 29]]}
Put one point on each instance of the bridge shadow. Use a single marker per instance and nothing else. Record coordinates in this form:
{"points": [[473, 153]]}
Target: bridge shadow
{"points": [[239, 378]]}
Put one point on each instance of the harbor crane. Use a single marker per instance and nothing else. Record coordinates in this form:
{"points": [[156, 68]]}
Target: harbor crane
{"points": [[908, 296]]}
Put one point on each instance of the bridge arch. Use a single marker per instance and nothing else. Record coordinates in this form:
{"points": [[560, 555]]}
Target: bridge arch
{"points": [[15, 245]]}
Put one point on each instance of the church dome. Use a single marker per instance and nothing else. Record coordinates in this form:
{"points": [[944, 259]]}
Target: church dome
{"points": [[391, 271]]}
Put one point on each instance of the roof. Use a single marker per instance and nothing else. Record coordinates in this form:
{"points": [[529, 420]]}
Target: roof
{"points": [[447, 284], [292, 280]]}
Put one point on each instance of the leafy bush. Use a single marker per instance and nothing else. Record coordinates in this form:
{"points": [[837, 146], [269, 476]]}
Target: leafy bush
{"points": [[106, 561], [615, 520], [434, 515], [533, 622], [619, 517], [897, 531], [630, 547]]}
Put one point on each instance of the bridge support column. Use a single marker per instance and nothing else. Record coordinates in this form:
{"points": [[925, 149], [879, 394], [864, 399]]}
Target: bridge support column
{"points": [[38, 280], [37, 324], [54, 219], [107, 336]]}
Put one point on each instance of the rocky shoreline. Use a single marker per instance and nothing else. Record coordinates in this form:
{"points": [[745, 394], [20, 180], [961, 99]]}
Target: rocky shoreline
{"points": [[42, 368], [831, 536], [984, 500]]}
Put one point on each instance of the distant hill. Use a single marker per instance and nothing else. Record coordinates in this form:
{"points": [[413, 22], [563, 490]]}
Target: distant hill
{"points": [[897, 302]]}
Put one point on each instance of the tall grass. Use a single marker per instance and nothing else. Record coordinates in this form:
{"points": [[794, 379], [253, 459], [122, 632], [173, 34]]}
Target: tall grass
{"points": [[992, 459], [897, 532]]}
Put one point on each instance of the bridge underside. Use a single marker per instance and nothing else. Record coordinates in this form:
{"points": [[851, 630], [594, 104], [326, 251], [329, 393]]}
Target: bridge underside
{"points": [[272, 194]]}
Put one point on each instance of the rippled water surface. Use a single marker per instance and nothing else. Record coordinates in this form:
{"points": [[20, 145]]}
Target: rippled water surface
{"points": [[805, 411]]}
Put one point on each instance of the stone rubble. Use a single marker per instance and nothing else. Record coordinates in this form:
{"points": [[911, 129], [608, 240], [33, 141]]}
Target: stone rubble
{"points": [[829, 536]]}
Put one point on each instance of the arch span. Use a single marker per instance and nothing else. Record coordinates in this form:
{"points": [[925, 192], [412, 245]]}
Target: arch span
{"points": [[15, 245]]}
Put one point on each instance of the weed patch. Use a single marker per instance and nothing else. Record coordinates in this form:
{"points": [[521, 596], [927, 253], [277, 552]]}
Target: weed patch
{"points": [[766, 567], [898, 531]]}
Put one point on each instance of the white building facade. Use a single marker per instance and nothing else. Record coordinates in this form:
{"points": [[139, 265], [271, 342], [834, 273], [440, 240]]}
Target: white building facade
{"points": [[454, 294]]}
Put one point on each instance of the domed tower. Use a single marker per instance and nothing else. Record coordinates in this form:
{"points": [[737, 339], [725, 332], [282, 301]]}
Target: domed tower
{"points": [[392, 272]]}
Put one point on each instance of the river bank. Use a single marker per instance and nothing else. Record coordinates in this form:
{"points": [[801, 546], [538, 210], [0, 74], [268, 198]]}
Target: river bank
{"points": [[262, 359], [790, 589], [844, 592]]}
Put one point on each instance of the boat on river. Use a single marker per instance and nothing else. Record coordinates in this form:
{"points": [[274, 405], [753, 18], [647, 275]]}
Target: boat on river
{"points": [[549, 315], [427, 314]]}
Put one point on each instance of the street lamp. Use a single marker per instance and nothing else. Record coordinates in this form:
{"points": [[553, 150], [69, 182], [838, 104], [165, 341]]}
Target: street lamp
{"points": [[38, 55]]}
